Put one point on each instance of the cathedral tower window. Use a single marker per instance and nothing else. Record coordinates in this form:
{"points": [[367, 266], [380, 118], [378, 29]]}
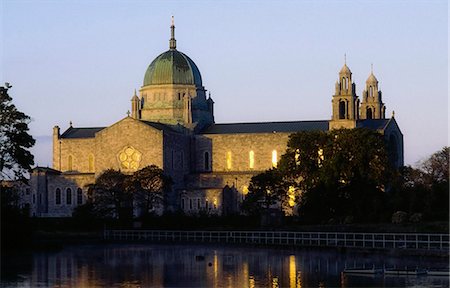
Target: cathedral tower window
{"points": [[274, 159], [229, 160], [69, 196], [371, 91], [342, 110], [369, 113], [251, 156], [58, 196], [182, 203], [79, 196]]}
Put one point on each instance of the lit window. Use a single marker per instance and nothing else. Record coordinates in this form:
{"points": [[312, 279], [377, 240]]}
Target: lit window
{"points": [[251, 156], [274, 159], [320, 157], [70, 163], [245, 190], [91, 163], [58, 196], [229, 160], [69, 196], [215, 203], [291, 195], [297, 156]]}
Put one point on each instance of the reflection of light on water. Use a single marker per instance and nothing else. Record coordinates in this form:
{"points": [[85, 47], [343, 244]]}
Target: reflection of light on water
{"points": [[275, 282], [245, 273], [299, 279], [216, 268], [292, 272], [251, 282], [229, 281]]}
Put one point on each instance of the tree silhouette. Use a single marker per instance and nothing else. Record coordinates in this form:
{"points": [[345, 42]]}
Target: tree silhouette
{"points": [[15, 158]]}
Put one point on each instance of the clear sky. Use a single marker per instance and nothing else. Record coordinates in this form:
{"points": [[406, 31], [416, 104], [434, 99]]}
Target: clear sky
{"points": [[80, 61]]}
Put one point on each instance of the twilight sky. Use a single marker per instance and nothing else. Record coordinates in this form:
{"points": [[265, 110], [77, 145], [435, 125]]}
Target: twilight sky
{"points": [[80, 61]]}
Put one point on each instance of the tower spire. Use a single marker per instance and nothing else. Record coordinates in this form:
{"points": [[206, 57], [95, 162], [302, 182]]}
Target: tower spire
{"points": [[172, 42]]}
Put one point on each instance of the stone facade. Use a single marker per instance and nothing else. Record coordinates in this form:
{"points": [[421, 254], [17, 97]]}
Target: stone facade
{"points": [[172, 126]]}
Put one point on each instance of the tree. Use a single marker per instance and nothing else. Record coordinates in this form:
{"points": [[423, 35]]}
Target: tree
{"points": [[341, 174], [265, 189], [110, 196], [148, 186], [424, 189], [15, 158]]}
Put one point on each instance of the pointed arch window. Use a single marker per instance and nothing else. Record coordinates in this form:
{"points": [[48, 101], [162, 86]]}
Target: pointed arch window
{"points": [[91, 163], [251, 156], [342, 109], [69, 196], [229, 163], [58, 196], [70, 163], [206, 158], [369, 113], [371, 91], [274, 159], [79, 196]]}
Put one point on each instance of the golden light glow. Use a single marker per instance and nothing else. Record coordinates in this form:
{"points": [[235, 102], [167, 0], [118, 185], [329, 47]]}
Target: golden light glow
{"points": [[245, 272], [91, 163], [274, 159], [291, 195], [70, 163], [129, 158], [292, 272], [320, 157], [297, 156], [216, 268], [229, 160], [245, 190], [251, 282], [251, 156]]}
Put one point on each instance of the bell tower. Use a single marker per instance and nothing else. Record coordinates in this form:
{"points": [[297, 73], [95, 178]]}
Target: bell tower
{"points": [[345, 103], [372, 106]]}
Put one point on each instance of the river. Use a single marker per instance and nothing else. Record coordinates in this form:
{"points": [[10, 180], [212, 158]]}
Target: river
{"points": [[195, 265]]}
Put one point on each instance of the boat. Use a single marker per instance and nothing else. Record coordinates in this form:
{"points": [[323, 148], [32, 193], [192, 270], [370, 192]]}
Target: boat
{"points": [[405, 271], [363, 271], [439, 272]]}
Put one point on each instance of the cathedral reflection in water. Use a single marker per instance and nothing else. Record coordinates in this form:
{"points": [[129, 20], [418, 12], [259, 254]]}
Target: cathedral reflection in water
{"points": [[211, 266]]}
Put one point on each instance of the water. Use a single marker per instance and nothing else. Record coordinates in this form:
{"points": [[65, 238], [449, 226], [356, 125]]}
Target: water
{"points": [[157, 265]]}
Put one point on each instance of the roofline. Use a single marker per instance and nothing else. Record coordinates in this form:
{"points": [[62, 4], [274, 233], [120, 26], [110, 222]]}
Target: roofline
{"points": [[269, 122]]}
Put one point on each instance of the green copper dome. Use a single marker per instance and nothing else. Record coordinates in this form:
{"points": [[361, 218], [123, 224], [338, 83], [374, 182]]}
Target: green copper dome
{"points": [[172, 67]]}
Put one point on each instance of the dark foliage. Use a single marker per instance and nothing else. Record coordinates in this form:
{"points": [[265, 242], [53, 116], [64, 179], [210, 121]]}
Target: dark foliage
{"points": [[15, 158]]}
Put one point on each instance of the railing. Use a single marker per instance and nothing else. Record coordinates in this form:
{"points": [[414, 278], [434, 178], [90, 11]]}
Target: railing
{"points": [[324, 239]]}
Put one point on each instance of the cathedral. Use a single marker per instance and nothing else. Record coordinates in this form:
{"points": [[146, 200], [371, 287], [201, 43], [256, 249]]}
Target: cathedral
{"points": [[171, 125]]}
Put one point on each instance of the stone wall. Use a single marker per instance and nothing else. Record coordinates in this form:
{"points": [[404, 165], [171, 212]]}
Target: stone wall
{"points": [[239, 147], [111, 141]]}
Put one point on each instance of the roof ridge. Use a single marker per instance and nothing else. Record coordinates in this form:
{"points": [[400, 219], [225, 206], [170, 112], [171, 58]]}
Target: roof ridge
{"points": [[270, 122]]}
